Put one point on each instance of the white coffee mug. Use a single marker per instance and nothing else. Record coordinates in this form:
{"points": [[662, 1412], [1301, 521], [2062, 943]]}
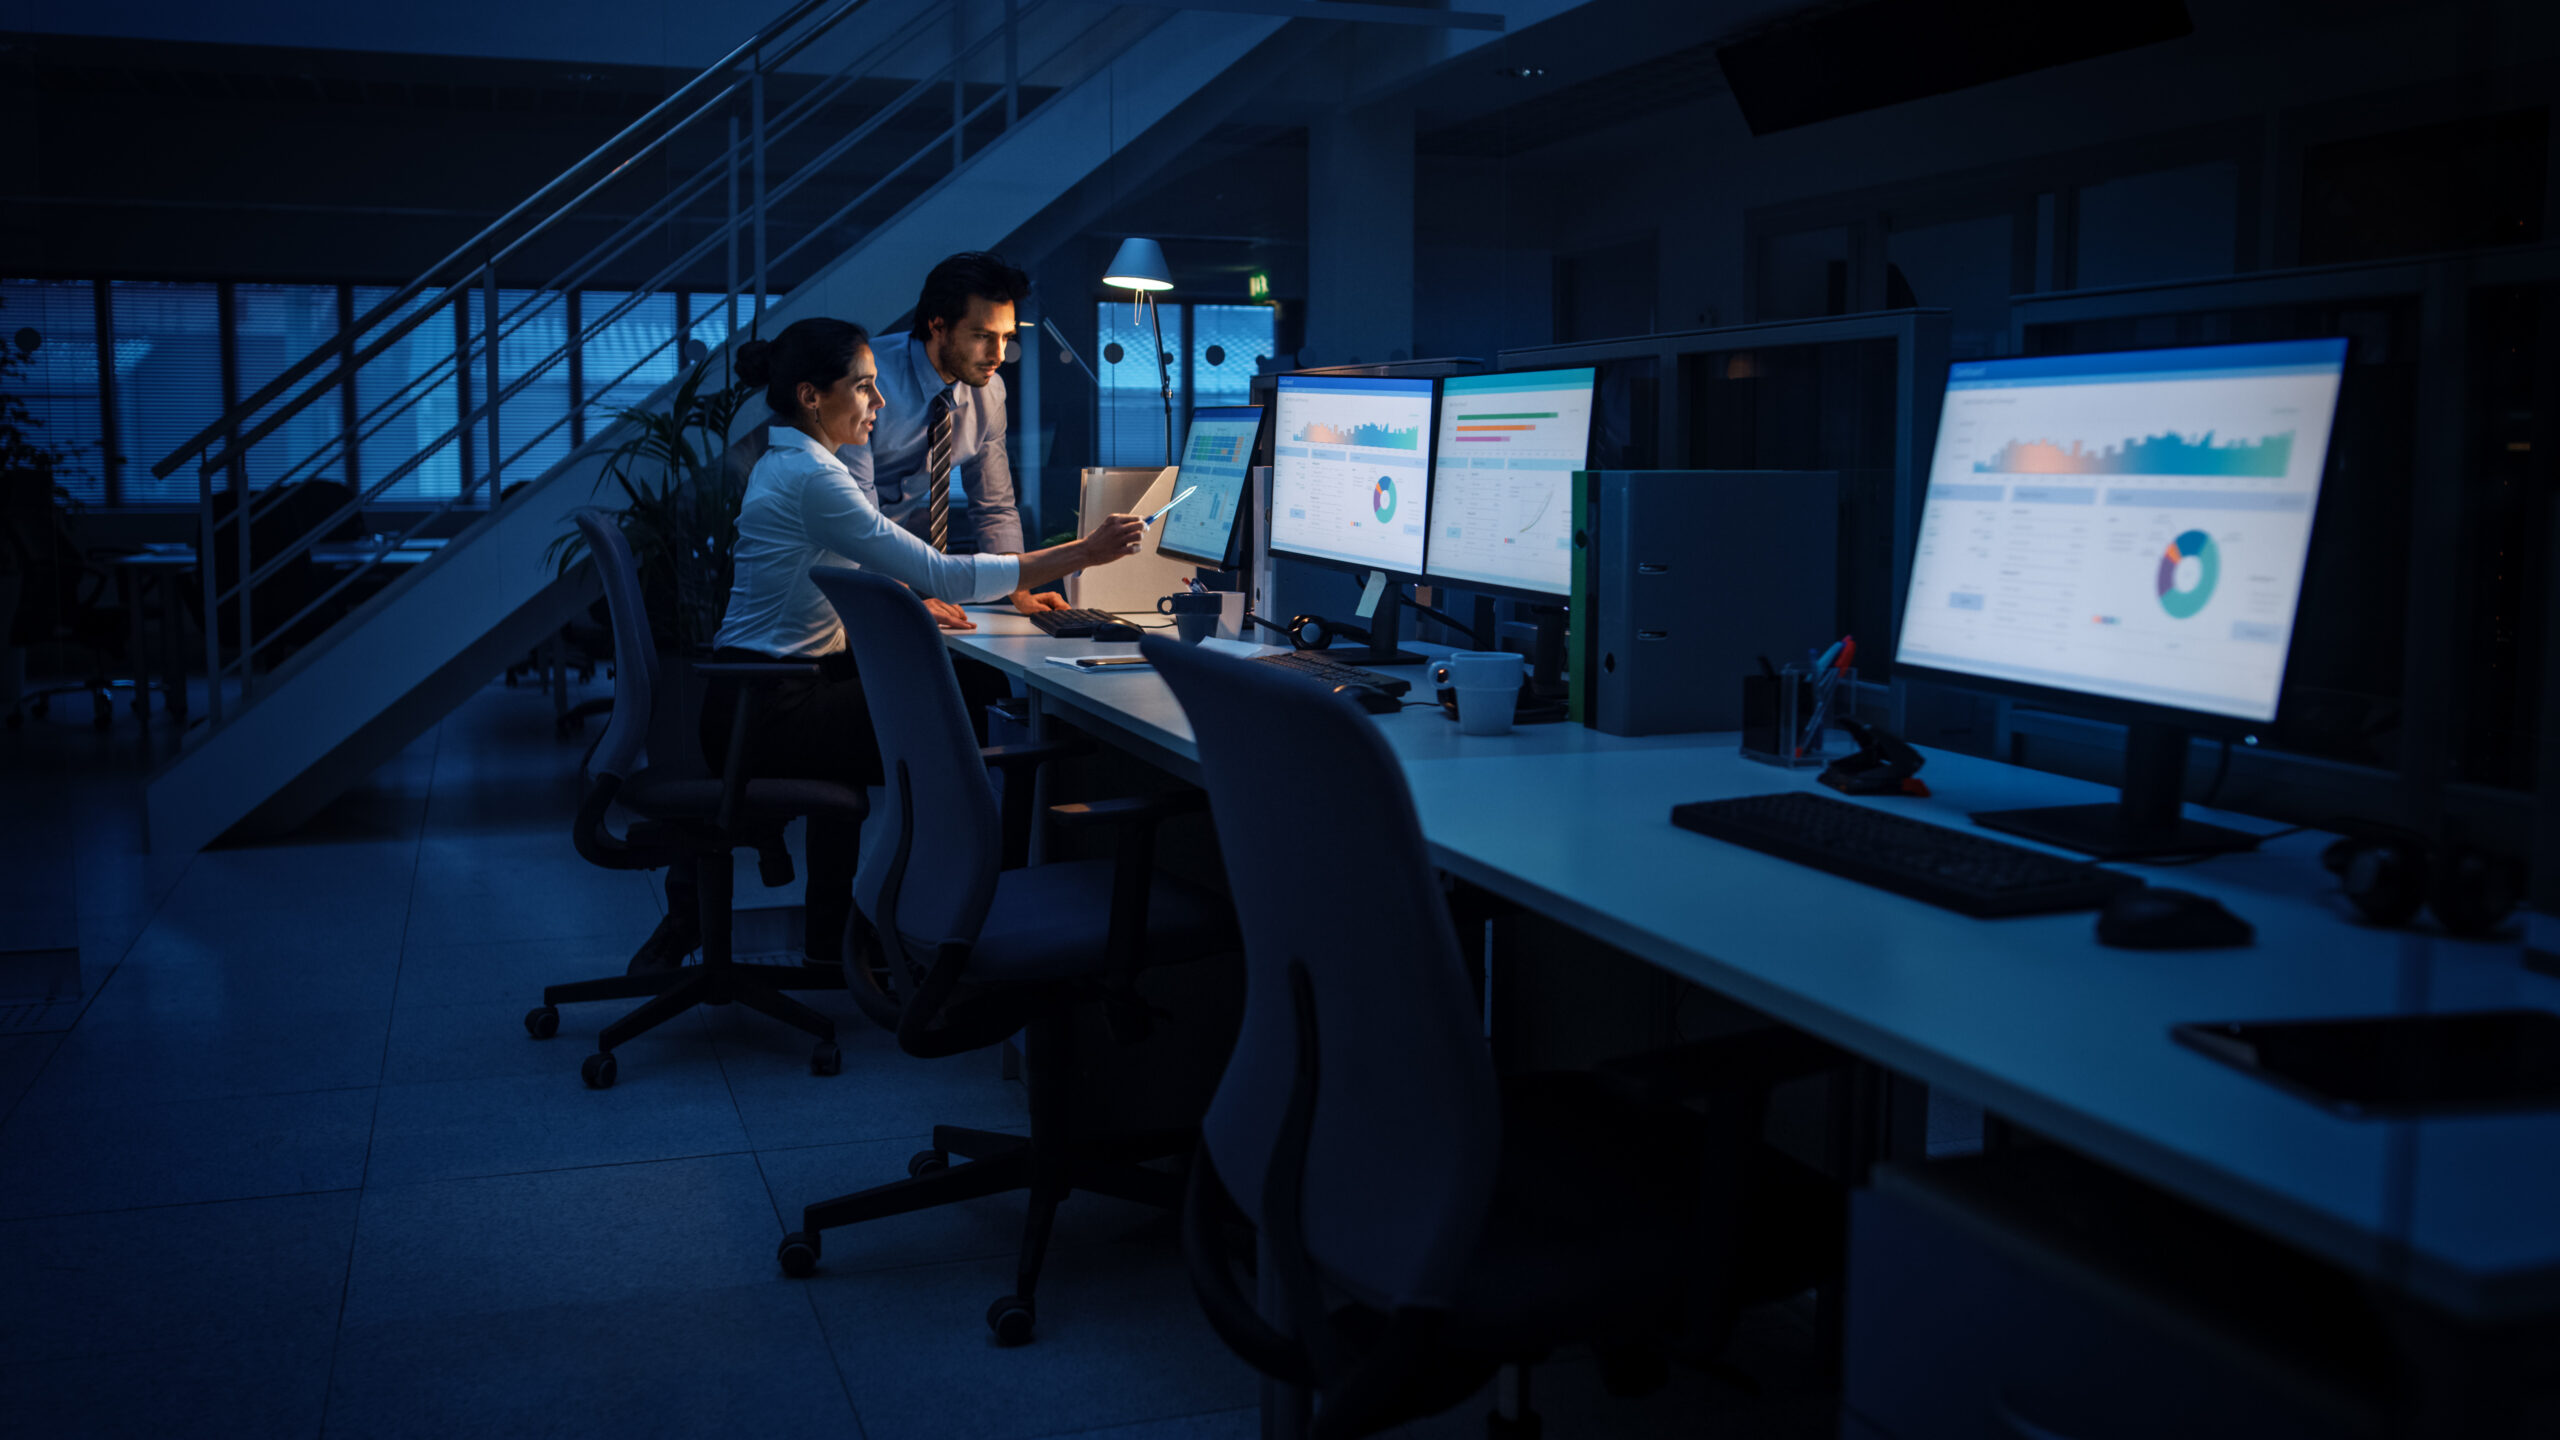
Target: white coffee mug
{"points": [[1487, 685]]}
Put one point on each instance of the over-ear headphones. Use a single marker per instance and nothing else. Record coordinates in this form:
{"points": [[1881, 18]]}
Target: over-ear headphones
{"points": [[2389, 878], [1314, 632]]}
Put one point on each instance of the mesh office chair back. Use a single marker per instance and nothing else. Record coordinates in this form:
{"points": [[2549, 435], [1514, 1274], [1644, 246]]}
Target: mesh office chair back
{"points": [[937, 779], [635, 671], [1330, 873]]}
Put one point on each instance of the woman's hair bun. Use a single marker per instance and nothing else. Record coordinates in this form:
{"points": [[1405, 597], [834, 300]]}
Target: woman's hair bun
{"points": [[755, 361]]}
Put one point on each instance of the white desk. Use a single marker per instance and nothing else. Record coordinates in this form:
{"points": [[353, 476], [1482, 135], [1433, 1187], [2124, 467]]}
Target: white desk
{"points": [[2030, 1017]]}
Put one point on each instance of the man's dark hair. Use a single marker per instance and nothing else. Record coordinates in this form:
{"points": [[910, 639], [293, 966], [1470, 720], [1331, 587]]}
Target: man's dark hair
{"points": [[982, 274]]}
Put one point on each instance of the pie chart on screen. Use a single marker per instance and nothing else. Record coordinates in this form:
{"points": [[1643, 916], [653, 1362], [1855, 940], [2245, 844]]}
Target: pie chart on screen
{"points": [[2188, 569], [1382, 498]]}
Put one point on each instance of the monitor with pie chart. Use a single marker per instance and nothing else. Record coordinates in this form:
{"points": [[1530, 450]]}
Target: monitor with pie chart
{"points": [[2124, 534], [1351, 471]]}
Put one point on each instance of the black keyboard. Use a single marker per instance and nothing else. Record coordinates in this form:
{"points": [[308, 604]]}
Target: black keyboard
{"points": [[1330, 673], [1073, 624], [1963, 872]]}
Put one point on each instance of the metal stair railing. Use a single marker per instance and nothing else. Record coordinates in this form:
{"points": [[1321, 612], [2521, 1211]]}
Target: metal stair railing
{"points": [[731, 93]]}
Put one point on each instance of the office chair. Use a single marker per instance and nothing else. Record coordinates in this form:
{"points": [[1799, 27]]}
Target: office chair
{"points": [[64, 598], [1420, 1223], [975, 952], [702, 818]]}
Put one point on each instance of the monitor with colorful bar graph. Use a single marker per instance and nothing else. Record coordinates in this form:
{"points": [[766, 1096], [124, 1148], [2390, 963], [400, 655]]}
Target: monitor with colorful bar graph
{"points": [[1502, 481], [2126, 527]]}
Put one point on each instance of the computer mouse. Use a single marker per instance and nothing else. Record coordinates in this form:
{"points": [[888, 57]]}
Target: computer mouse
{"points": [[2154, 918], [1371, 698], [1116, 631]]}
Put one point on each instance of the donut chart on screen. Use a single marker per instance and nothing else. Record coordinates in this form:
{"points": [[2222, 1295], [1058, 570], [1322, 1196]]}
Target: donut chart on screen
{"points": [[1382, 498], [2197, 546]]}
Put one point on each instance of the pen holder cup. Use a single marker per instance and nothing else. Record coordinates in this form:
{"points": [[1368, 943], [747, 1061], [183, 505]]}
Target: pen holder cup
{"points": [[1786, 717]]}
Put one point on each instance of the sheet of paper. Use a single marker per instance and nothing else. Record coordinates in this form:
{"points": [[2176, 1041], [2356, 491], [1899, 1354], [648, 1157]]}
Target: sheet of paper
{"points": [[1372, 592]]}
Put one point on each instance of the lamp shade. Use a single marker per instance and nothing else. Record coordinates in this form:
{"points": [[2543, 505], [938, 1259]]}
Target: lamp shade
{"points": [[1139, 266]]}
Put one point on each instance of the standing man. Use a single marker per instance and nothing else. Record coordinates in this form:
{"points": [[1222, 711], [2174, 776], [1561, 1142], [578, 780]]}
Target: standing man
{"points": [[937, 461]]}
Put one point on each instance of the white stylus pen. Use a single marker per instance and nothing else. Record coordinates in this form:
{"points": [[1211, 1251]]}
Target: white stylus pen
{"points": [[1169, 504]]}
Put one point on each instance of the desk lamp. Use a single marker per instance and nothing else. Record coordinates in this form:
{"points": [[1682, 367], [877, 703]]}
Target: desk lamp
{"points": [[1140, 268]]}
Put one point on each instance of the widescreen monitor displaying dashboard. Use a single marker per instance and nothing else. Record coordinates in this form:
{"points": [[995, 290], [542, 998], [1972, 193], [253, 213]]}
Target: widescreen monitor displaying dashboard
{"points": [[1351, 470], [1502, 480], [1215, 458], [2131, 527]]}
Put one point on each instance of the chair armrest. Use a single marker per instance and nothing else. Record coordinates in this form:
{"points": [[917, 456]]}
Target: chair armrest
{"points": [[1033, 752], [1133, 810], [1133, 863], [767, 670], [1017, 764], [1749, 1063]]}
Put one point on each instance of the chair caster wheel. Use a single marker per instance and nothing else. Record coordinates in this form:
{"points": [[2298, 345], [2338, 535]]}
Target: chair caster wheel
{"points": [[799, 1255], [542, 1022], [598, 1071], [1010, 1318], [927, 1162], [826, 1059]]}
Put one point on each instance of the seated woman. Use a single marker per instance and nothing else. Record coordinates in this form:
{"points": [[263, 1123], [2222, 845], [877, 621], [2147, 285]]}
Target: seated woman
{"points": [[803, 508]]}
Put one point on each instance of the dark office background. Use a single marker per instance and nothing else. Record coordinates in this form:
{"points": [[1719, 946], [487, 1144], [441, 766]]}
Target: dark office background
{"points": [[1628, 170]]}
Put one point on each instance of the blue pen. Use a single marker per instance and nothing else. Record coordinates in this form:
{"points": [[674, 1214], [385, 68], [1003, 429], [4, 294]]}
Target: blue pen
{"points": [[1828, 656]]}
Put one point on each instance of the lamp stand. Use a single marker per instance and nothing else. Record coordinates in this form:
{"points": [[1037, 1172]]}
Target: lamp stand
{"points": [[1164, 379]]}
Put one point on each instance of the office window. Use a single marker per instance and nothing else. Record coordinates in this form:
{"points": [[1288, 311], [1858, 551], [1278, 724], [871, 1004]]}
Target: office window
{"points": [[2167, 225], [1228, 342], [707, 316], [1805, 273], [168, 382], [1962, 265], [625, 356], [275, 326], [533, 425], [59, 381], [405, 402], [1132, 392]]}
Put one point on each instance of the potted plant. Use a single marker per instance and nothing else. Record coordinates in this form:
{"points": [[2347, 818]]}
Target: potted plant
{"points": [[35, 520], [679, 511]]}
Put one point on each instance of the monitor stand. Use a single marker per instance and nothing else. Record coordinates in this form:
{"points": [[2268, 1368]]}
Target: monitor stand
{"points": [[1547, 652], [2146, 822], [1384, 626]]}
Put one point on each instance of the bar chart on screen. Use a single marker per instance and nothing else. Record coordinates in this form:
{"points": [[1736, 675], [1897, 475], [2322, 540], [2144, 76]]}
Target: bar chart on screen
{"points": [[1502, 494]]}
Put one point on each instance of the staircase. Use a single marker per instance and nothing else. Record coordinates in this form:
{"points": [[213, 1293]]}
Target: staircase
{"points": [[741, 179]]}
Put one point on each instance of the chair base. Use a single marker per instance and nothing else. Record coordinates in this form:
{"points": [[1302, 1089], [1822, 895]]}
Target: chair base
{"points": [[1051, 1163], [671, 993]]}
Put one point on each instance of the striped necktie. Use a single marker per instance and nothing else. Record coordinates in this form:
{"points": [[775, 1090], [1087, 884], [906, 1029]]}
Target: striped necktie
{"points": [[937, 469]]}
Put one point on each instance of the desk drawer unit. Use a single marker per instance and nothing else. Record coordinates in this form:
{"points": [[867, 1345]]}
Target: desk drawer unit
{"points": [[2031, 1296]]}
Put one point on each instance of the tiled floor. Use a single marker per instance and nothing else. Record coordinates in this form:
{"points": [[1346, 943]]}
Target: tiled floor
{"points": [[297, 1170]]}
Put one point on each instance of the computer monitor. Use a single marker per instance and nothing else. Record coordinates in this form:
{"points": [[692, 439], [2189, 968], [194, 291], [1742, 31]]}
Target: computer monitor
{"points": [[1350, 471], [2124, 534], [1351, 480], [1502, 481], [1215, 458]]}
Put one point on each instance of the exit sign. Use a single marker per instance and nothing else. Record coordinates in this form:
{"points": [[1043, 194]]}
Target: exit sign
{"points": [[1258, 285]]}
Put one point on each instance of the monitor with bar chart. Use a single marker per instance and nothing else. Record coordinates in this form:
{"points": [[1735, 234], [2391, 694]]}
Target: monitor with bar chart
{"points": [[1502, 480], [2129, 527], [1351, 470], [1215, 457]]}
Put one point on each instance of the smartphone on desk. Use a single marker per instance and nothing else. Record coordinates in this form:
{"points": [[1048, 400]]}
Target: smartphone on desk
{"points": [[1111, 662]]}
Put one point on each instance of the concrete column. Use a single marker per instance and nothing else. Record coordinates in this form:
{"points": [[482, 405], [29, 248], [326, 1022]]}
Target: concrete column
{"points": [[1360, 237]]}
